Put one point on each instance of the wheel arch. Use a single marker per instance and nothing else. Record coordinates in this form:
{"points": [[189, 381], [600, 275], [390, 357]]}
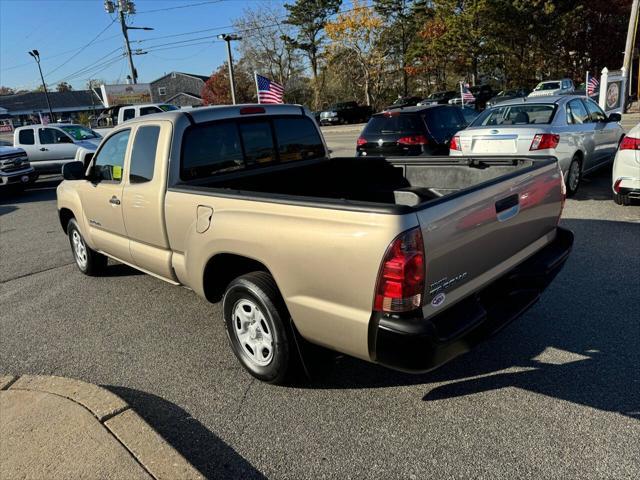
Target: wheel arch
{"points": [[222, 268], [65, 215]]}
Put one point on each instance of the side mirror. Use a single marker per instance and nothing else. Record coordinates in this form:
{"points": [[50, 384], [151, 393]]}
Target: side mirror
{"points": [[73, 171], [614, 117]]}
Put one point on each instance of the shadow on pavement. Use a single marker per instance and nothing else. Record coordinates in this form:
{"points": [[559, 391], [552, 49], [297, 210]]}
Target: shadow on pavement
{"points": [[580, 343], [202, 448], [41, 191]]}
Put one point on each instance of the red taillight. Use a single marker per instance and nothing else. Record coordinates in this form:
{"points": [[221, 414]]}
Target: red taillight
{"points": [[391, 113], [402, 274], [454, 144], [361, 141], [251, 110], [616, 185], [542, 141], [629, 143], [413, 140]]}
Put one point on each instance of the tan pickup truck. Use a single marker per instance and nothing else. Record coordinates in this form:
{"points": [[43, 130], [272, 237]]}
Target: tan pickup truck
{"points": [[406, 262]]}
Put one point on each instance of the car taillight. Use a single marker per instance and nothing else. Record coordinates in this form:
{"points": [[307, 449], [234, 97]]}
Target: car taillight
{"points": [[400, 285], [413, 140], [454, 144], [251, 110], [361, 141], [616, 185], [629, 143], [542, 141]]}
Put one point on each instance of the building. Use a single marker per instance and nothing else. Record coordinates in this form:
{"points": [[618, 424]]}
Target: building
{"points": [[24, 108], [178, 88]]}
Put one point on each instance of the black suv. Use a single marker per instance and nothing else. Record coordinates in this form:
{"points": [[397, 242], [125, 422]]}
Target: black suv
{"points": [[411, 131]]}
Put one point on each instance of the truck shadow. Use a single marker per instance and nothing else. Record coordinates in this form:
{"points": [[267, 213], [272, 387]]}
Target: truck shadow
{"points": [[42, 191], [203, 449], [580, 343]]}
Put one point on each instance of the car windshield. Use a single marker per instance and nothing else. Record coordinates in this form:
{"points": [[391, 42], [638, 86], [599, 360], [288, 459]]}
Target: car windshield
{"points": [[547, 86], [437, 95], [167, 108], [79, 132], [516, 115], [390, 124]]}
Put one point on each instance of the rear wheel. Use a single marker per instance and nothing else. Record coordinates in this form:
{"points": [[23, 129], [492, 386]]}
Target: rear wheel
{"points": [[88, 261], [574, 176], [256, 321], [621, 199]]}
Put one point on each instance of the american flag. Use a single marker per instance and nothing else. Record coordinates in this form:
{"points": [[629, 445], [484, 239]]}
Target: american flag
{"points": [[268, 90], [467, 96], [592, 86]]}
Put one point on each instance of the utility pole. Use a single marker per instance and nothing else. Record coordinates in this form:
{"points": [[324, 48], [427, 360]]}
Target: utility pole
{"points": [[629, 47], [229, 37], [36, 55], [124, 7]]}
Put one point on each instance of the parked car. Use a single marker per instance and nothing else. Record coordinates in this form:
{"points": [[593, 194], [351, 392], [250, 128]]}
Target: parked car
{"points": [[410, 131], [505, 95], [573, 129], [51, 146], [15, 170], [121, 113], [626, 168], [441, 98], [345, 112], [373, 258], [553, 87], [405, 102], [481, 93]]}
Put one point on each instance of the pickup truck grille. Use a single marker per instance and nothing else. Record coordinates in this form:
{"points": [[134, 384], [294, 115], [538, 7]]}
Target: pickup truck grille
{"points": [[13, 162]]}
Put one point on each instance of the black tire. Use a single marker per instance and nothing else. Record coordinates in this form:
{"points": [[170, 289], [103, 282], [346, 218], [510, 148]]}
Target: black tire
{"points": [[91, 263], [621, 199], [572, 187], [259, 289]]}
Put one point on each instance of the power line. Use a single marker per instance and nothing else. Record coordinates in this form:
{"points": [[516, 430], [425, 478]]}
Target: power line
{"points": [[81, 49], [180, 6], [92, 65]]}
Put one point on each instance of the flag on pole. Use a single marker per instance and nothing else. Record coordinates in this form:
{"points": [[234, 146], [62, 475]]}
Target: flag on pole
{"points": [[592, 85], [268, 90], [467, 96]]}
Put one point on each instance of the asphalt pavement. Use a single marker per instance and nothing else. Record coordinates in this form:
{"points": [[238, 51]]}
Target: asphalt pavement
{"points": [[554, 395]]}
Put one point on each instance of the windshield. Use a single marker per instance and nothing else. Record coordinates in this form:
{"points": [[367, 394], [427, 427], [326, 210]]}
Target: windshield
{"points": [[516, 115], [167, 108], [80, 133], [393, 124], [547, 86]]}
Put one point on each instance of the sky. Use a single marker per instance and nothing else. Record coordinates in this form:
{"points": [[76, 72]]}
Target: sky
{"points": [[61, 29]]}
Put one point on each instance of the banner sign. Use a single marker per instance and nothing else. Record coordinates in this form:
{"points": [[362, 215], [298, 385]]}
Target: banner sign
{"points": [[126, 94]]}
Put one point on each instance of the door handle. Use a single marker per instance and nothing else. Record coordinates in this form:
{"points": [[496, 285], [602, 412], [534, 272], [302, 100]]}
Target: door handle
{"points": [[44, 149], [114, 200]]}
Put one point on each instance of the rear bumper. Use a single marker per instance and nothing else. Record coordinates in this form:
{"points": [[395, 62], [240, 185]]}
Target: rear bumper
{"points": [[413, 344]]}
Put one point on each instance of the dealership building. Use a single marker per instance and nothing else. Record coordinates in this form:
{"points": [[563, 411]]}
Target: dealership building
{"points": [[26, 108]]}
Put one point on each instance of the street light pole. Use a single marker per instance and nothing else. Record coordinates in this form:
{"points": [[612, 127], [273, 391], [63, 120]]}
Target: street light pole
{"points": [[36, 55], [229, 37]]}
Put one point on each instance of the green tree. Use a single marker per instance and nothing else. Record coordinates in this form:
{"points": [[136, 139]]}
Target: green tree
{"points": [[310, 17], [64, 87]]}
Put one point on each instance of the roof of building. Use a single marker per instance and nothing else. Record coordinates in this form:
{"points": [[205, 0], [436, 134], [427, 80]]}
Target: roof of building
{"points": [[204, 78], [37, 101]]}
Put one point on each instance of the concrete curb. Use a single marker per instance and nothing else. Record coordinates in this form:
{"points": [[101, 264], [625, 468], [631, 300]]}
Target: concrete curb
{"points": [[151, 451]]}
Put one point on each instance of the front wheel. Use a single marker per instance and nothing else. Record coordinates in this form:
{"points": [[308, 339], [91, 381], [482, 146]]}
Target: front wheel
{"points": [[88, 261], [256, 321], [574, 176]]}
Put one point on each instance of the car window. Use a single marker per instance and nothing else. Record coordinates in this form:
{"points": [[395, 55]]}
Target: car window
{"points": [[210, 149], [149, 110], [595, 112], [390, 124], [576, 113], [26, 137], [168, 108], [298, 139], [129, 113], [51, 136], [79, 132], [258, 142], [547, 86], [109, 161], [444, 121], [143, 154], [516, 115]]}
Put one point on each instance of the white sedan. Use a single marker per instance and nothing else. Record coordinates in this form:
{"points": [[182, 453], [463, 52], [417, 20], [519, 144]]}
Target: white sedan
{"points": [[572, 128], [626, 169]]}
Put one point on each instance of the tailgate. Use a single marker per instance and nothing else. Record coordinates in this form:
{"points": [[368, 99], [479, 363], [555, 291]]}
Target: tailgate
{"points": [[477, 234]]}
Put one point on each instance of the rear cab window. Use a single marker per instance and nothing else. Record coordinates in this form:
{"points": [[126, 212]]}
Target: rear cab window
{"points": [[143, 154], [230, 145], [26, 137]]}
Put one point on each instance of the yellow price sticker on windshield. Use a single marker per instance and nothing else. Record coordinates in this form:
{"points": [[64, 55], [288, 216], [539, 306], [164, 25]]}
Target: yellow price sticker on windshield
{"points": [[117, 172]]}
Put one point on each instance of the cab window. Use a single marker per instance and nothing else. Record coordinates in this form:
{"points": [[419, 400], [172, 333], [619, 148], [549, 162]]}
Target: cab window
{"points": [[143, 154], [129, 113], [50, 136], [149, 110], [26, 137], [109, 161]]}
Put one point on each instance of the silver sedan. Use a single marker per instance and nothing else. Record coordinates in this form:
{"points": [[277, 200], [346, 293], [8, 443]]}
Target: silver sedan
{"points": [[572, 128]]}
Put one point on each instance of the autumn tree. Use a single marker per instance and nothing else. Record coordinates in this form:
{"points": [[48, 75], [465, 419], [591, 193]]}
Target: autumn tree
{"points": [[6, 90], [309, 17], [63, 87], [217, 90]]}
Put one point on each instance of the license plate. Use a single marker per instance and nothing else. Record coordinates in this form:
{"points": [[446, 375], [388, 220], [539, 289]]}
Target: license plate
{"points": [[494, 146]]}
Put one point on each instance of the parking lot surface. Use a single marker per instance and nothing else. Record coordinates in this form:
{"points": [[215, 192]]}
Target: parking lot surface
{"points": [[555, 395]]}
